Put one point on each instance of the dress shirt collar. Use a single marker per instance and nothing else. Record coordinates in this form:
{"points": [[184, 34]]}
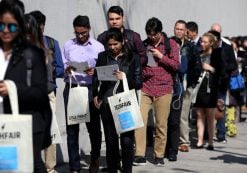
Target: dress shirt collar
{"points": [[88, 42]]}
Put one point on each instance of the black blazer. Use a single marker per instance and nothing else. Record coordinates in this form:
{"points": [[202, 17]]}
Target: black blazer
{"points": [[229, 64], [32, 99]]}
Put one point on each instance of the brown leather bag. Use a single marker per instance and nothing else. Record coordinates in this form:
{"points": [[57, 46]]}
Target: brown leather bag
{"points": [[220, 109]]}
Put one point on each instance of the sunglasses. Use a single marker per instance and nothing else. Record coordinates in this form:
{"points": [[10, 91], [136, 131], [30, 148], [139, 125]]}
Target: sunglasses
{"points": [[12, 27]]}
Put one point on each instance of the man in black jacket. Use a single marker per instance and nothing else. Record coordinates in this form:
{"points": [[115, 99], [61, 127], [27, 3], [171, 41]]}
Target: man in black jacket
{"points": [[132, 39], [228, 57]]}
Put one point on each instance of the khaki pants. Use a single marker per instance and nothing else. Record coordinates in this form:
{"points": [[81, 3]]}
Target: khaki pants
{"points": [[184, 120], [50, 152], [161, 107]]}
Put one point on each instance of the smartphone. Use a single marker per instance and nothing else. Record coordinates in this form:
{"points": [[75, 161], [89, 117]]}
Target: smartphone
{"points": [[241, 53]]}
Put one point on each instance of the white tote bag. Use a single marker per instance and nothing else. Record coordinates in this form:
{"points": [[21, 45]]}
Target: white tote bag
{"points": [[16, 144], [125, 109], [55, 133], [78, 104]]}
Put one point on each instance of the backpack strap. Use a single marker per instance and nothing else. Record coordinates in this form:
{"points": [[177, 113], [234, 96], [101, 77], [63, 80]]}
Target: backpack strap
{"points": [[50, 43], [167, 44]]}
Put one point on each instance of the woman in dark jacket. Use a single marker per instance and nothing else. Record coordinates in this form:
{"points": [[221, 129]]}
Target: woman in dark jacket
{"points": [[26, 67], [129, 64], [208, 92]]}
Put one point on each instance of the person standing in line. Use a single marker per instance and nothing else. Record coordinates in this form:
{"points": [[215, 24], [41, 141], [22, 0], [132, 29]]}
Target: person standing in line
{"points": [[82, 48], [195, 40], [129, 65], [157, 91], [227, 53], [189, 72], [207, 96], [115, 16], [192, 33], [57, 71], [15, 51]]}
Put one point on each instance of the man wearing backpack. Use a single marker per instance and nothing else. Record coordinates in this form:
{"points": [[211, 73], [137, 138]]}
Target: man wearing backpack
{"points": [[157, 90], [188, 74], [56, 69], [132, 39]]}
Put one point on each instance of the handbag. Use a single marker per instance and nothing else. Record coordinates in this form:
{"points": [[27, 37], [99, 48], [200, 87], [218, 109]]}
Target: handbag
{"points": [[220, 109], [16, 144], [237, 83], [78, 104], [125, 109], [197, 87]]}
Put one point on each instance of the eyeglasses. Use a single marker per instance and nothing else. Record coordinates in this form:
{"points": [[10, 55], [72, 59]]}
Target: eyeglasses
{"points": [[154, 35], [12, 27], [82, 34]]}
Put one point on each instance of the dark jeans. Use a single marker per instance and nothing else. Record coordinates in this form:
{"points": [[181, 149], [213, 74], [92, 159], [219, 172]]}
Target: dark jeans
{"points": [[173, 127], [38, 140], [220, 125], [112, 143], [94, 130]]}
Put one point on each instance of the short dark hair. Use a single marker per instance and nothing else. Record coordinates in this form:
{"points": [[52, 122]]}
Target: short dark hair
{"points": [[81, 21], [181, 21], [216, 34], [116, 9], [114, 33], [192, 26], [153, 25], [39, 17]]}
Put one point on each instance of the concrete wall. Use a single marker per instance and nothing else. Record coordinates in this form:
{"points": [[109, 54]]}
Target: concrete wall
{"points": [[60, 14]]}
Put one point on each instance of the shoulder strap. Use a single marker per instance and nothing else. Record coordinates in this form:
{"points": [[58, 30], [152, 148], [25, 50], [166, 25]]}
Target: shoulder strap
{"points": [[50, 43], [167, 44]]}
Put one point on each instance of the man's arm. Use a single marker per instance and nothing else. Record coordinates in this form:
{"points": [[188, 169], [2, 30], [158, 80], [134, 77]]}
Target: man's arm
{"points": [[58, 62]]}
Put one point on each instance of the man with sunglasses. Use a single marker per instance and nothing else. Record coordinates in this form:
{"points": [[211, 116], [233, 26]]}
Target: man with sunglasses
{"points": [[82, 48]]}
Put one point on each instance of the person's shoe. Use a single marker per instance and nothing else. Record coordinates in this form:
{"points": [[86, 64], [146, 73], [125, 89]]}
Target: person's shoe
{"points": [[242, 119], [159, 162], [94, 166], [210, 147], [223, 141], [139, 161], [199, 146], [172, 157], [184, 148]]}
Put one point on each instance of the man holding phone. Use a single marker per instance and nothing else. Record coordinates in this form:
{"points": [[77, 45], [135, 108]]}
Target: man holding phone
{"points": [[80, 49]]}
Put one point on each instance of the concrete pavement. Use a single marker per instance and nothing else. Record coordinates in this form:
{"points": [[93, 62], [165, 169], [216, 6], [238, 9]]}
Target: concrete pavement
{"points": [[226, 158]]}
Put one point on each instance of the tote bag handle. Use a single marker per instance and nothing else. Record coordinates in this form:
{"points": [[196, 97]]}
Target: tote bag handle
{"points": [[125, 85], [70, 79], [12, 97]]}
